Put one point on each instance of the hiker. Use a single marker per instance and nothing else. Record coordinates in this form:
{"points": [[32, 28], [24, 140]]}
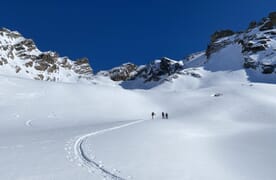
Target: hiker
{"points": [[152, 115], [167, 116], [163, 115]]}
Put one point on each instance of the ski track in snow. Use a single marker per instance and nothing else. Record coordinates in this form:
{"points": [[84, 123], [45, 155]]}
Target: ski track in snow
{"points": [[29, 123], [76, 145]]}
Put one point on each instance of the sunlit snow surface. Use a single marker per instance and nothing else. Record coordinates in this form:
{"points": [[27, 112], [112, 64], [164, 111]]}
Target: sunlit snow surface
{"points": [[220, 126]]}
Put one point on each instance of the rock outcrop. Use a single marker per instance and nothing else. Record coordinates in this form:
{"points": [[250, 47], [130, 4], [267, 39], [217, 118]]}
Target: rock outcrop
{"points": [[258, 44], [124, 72], [154, 71], [20, 57]]}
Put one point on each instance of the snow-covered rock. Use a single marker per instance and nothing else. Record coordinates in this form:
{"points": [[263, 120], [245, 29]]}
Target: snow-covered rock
{"points": [[156, 71], [221, 124], [124, 72], [258, 44], [20, 57], [252, 50]]}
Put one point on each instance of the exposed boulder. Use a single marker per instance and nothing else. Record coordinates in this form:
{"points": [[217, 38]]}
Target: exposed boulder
{"points": [[272, 17], [123, 73], [49, 57], [252, 25], [17, 69], [249, 47], [4, 60], [268, 68], [267, 26], [29, 64], [220, 34], [26, 44], [214, 45], [41, 66], [65, 63], [53, 68], [82, 67], [82, 61], [249, 63], [39, 77]]}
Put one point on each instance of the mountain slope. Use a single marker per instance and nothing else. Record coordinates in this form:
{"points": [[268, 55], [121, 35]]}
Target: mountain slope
{"points": [[253, 51], [20, 57], [258, 44], [220, 126]]}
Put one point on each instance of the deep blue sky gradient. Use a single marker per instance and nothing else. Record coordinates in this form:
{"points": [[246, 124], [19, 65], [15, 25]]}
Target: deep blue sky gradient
{"points": [[110, 33]]}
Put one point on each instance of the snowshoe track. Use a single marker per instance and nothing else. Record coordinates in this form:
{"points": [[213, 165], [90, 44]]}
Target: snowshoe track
{"points": [[75, 147]]}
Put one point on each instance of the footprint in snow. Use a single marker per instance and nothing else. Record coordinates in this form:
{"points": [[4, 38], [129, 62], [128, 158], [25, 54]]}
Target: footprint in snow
{"points": [[29, 123], [217, 95]]}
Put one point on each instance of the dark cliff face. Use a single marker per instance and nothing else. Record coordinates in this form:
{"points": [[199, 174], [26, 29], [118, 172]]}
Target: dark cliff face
{"points": [[22, 55]]}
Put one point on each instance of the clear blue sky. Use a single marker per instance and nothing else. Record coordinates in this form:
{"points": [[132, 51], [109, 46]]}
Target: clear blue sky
{"points": [[111, 32]]}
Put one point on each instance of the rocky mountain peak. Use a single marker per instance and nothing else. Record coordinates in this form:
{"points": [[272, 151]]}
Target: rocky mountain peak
{"points": [[21, 57]]}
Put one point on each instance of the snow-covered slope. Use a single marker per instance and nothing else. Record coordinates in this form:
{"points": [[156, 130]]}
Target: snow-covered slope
{"points": [[219, 127], [221, 122], [253, 51], [21, 58], [253, 48]]}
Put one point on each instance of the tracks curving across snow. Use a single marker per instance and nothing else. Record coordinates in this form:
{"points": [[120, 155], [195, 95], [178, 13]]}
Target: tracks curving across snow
{"points": [[76, 145]]}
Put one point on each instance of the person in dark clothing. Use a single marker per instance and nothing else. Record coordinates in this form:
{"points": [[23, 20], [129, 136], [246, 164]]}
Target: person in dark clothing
{"points": [[152, 115], [163, 115], [167, 116]]}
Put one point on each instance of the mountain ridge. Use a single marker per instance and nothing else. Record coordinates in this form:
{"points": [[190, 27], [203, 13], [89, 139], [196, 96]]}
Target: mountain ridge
{"points": [[20, 57]]}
